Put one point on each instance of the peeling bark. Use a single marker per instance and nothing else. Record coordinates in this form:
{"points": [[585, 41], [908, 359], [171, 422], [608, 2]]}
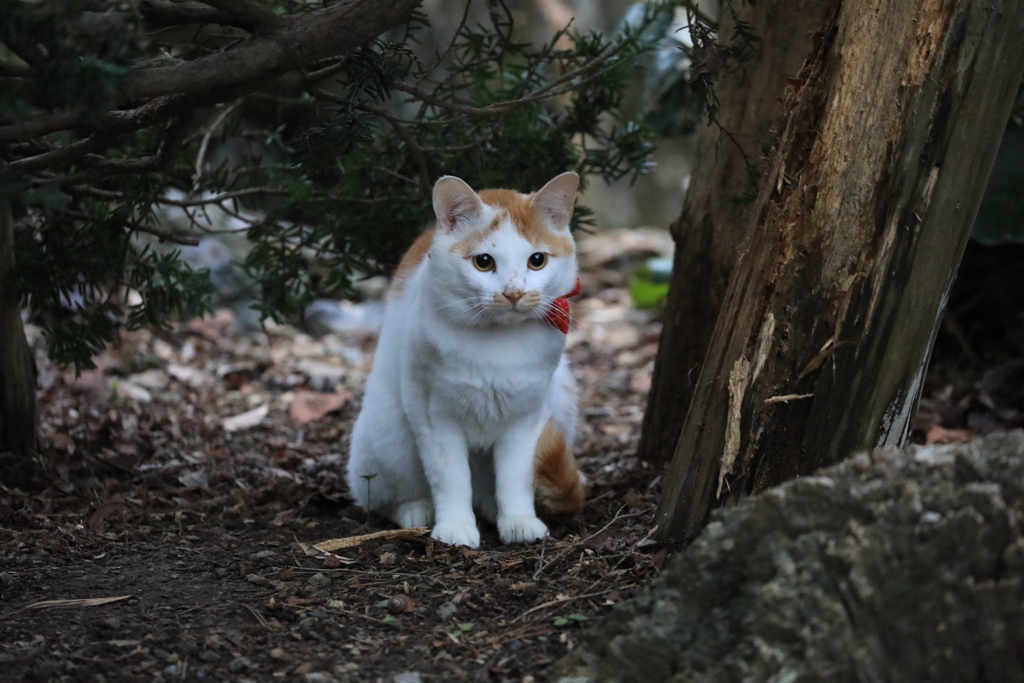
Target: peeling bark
{"points": [[890, 137], [717, 211]]}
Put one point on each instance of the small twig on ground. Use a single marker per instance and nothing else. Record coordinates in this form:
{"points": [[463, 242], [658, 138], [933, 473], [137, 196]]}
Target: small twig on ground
{"points": [[259, 617], [618, 516], [557, 601], [352, 541]]}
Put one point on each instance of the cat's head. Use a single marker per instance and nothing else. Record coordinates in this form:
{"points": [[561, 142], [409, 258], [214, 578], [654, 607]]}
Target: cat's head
{"points": [[500, 257]]}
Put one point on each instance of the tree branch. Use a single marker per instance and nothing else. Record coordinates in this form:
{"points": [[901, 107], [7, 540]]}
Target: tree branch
{"points": [[42, 124], [164, 236], [201, 156], [568, 79], [29, 53], [14, 70], [61, 155], [414, 148], [172, 138], [224, 196], [100, 167], [299, 41]]}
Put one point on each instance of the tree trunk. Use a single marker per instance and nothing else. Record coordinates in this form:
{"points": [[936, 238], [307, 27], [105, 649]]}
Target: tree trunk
{"points": [[17, 369], [718, 205], [829, 319]]}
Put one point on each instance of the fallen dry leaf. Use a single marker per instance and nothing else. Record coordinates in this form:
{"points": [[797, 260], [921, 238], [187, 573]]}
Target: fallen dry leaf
{"points": [[284, 517], [352, 541], [523, 586], [189, 375], [308, 406], [194, 480], [249, 418], [115, 506], [63, 442]]}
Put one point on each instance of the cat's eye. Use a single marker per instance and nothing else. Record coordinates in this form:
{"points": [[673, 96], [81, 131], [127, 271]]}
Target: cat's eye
{"points": [[483, 262], [537, 260]]}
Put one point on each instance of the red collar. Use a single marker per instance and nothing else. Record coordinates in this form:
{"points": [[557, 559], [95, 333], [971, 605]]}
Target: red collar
{"points": [[558, 315]]}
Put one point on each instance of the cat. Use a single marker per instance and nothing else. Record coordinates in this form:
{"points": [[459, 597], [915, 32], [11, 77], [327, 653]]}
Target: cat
{"points": [[470, 404]]}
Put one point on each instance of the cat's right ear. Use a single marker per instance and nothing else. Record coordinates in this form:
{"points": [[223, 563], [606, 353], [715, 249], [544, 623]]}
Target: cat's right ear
{"points": [[456, 205]]}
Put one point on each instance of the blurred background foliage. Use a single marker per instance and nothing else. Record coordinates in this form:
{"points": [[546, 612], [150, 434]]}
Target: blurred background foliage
{"points": [[323, 177]]}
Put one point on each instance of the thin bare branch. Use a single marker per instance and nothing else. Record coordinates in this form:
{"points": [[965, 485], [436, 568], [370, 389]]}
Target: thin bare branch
{"points": [[100, 167], [560, 85], [201, 155], [327, 70], [167, 236], [217, 199], [410, 142], [60, 155]]}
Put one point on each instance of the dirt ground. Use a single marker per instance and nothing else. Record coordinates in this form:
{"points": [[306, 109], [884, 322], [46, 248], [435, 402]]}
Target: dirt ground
{"points": [[190, 474], [188, 477]]}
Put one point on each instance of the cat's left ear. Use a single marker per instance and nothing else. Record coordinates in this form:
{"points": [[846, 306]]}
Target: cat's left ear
{"points": [[555, 200], [456, 206]]}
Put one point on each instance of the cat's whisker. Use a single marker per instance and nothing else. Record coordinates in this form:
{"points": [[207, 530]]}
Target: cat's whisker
{"points": [[469, 299], [548, 307]]}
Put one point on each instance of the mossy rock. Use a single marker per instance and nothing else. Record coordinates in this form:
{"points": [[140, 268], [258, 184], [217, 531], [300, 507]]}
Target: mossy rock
{"points": [[896, 565]]}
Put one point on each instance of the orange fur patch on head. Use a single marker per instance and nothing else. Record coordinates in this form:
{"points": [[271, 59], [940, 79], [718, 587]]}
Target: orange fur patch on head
{"points": [[465, 246], [559, 489], [527, 222], [412, 258]]}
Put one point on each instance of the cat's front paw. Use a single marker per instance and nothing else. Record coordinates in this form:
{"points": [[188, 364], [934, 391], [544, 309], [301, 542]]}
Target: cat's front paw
{"points": [[457, 533], [521, 529], [414, 513]]}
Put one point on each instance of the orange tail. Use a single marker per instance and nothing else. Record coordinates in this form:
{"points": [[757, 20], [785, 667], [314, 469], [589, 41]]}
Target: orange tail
{"points": [[559, 484]]}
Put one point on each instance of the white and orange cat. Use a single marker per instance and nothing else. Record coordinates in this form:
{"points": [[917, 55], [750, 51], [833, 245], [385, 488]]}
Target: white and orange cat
{"points": [[470, 404]]}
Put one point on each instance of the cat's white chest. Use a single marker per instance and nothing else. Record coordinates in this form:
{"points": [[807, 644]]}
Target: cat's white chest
{"points": [[487, 379]]}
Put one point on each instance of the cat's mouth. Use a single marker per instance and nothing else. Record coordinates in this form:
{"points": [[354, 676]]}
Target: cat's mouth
{"points": [[516, 307]]}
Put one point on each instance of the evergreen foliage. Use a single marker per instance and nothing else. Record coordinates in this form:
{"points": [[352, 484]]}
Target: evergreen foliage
{"points": [[336, 158]]}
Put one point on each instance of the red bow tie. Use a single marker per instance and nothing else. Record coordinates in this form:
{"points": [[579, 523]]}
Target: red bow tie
{"points": [[558, 315]]}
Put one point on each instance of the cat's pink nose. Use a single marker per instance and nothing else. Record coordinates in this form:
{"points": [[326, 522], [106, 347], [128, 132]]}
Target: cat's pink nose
{"points": [[514, 296]]}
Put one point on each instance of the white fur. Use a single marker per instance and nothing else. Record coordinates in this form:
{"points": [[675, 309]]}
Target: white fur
{"points": [[463, 383]]}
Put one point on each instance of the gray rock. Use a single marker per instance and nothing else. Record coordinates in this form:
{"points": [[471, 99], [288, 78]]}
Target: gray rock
{"points": [[898, 565], [239, 664], [319, 580], [226, 275], [233, 287], [447, 610], [350, 319], [317, 677]]}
